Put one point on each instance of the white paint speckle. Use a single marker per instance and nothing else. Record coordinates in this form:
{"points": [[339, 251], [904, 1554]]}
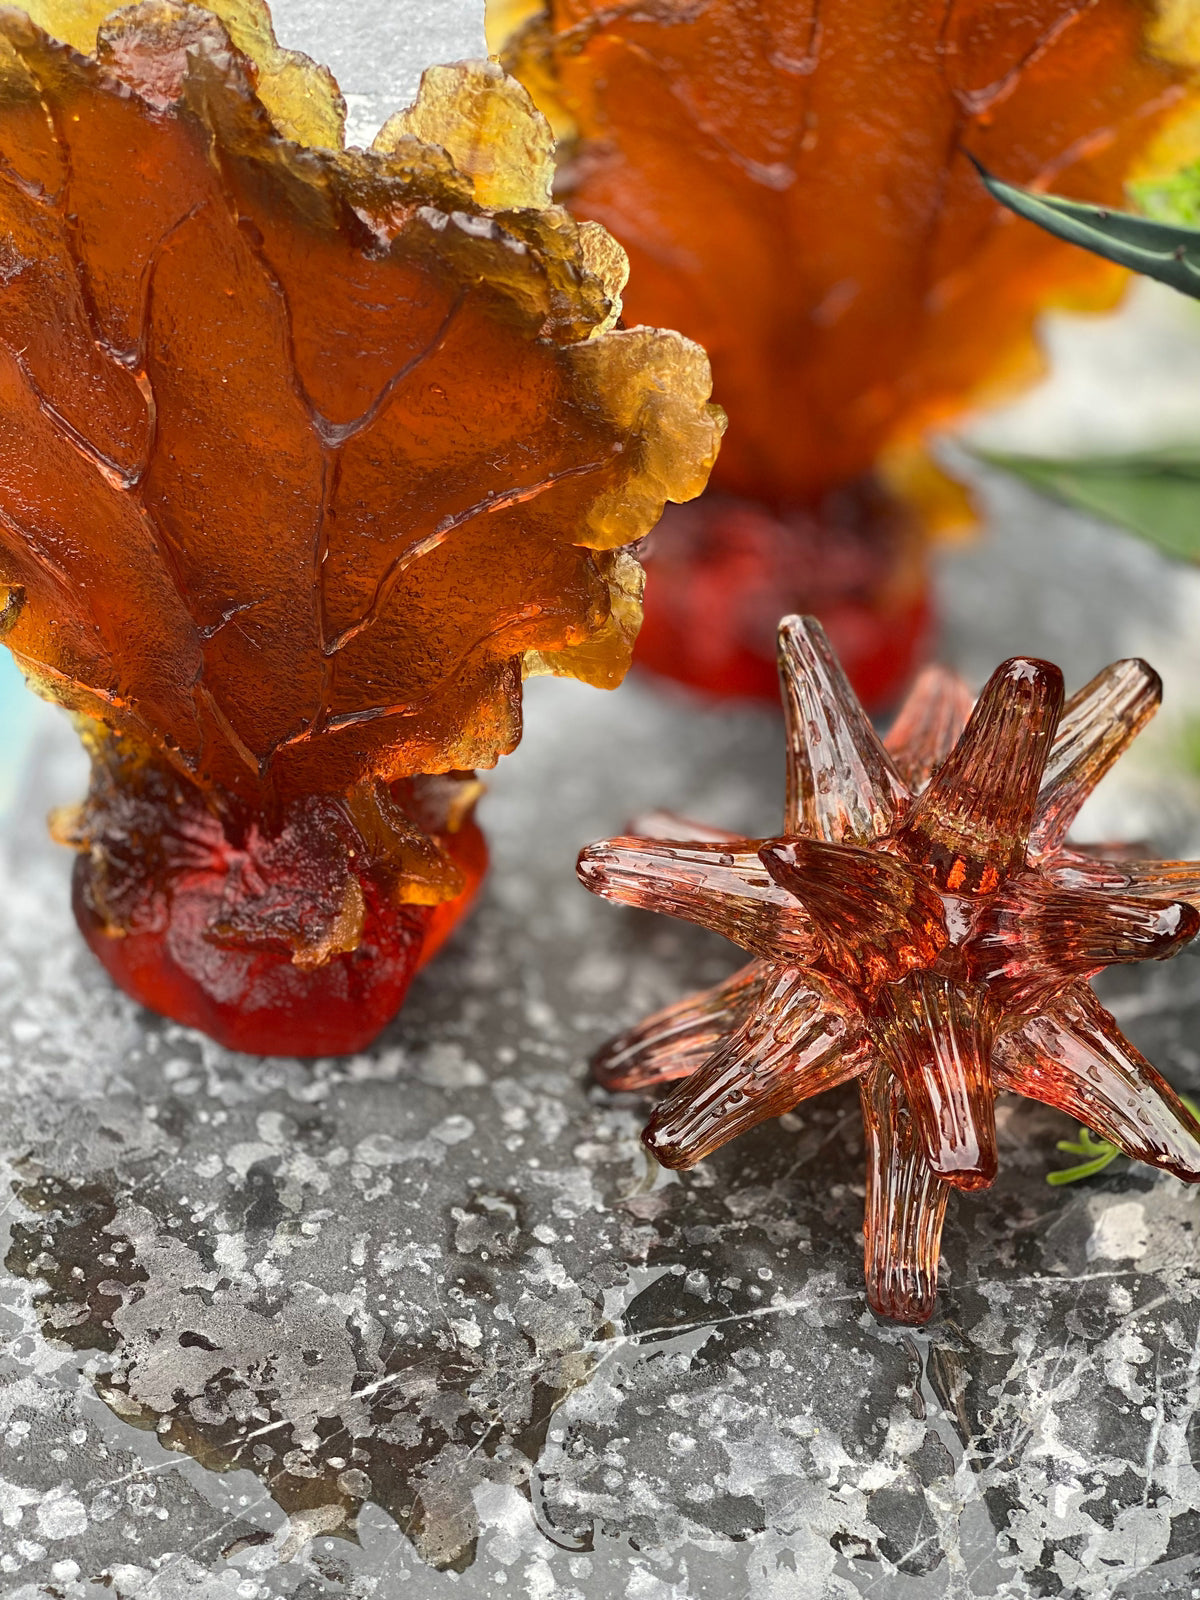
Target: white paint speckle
{"points": [[453, 1129], [1119, 1233], [61, 1516]]}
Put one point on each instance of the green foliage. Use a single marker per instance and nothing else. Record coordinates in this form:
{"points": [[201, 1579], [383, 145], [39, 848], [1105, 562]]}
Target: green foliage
{"points": [[1096, 1153], [1173, 199], [1168, 251], [1153, 493], [1186, 743]]}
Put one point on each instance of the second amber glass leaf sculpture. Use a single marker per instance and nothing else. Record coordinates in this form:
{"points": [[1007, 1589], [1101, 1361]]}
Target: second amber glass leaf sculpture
{"points": [[306, 455], [921, 925], [791, 183]]}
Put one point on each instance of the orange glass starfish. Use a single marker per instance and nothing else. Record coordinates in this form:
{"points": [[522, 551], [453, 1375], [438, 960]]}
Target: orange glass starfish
{"points": [[921, 925]]}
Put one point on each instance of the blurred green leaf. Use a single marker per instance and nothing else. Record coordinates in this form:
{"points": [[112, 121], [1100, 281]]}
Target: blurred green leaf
{"points": [[1173, 199], [1186, 743], [1154, 493], [1168, 251]]}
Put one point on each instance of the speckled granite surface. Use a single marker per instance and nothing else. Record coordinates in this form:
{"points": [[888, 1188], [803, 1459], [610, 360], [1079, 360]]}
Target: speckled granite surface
{"points": [[421, 1322]]}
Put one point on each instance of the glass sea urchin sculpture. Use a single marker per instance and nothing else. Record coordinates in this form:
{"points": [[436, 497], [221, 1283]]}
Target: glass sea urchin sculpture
{"points": [[920, 925]]}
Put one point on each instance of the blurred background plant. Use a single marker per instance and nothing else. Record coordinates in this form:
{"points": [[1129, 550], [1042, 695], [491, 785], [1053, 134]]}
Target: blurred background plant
{"points": [[1154, 493], [1173, 197]]}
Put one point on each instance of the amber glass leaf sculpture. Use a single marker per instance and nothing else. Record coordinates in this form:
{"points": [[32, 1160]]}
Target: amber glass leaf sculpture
{"points": [[791, 183], [921, 925], [306, 455]]}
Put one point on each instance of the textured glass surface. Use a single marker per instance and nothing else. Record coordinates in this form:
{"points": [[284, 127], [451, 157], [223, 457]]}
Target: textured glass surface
{"points": [[307, 456], [791, 181]]}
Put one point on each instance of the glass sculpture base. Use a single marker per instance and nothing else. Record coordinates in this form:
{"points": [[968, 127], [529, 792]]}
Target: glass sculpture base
{"points": [[722, 571], [260, 1000]]}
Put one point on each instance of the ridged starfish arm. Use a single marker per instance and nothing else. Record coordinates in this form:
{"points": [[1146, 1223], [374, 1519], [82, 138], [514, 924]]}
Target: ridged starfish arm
{"points": [[1075, 1058], [928, 724], [1154, 879], [805, 1036], [1034, 937], [1097, 726], [679, 1039], [724, 887], [842, 785], [936, 1035], [905, 1207], [670, 825], [971, 825]]}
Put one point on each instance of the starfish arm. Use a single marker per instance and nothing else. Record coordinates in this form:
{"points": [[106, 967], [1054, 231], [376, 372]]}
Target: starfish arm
{"points": [[873, 915], [724, 887], [928, 724], [670, 825], [801, 1038], [841, 782], [971, 825], [937, 1035], [1097, 725], [1075, 1058], [1035, 937], [1100, 850], [1175, 880], [905, 1209], [676, 1041]]}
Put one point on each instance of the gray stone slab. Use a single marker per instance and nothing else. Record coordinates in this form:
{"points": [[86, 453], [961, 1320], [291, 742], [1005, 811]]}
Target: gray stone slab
{"points": [[423, 1321]]}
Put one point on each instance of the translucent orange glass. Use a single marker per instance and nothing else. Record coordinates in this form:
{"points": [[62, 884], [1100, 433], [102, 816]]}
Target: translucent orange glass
{"points": [[926, 931], [790, 181], [306, 456]]}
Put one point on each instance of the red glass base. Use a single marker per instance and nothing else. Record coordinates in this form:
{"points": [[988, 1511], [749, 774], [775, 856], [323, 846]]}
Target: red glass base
{"points": [[721, 573], [259, 1001]]}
